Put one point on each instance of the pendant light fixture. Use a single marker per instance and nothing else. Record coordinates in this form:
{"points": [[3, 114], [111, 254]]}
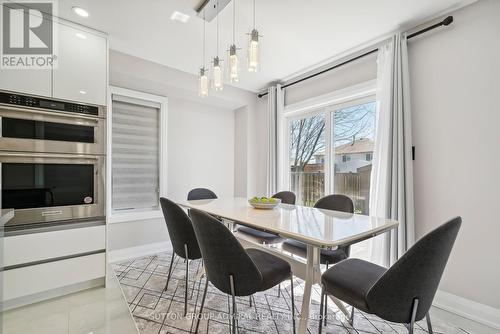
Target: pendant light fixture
{"points": [[233, 61], [253, 57], [203, 77], [217, 80]]}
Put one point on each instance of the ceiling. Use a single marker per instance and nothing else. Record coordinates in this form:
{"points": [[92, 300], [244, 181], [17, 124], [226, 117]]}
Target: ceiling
{"points": [[297, 34]]}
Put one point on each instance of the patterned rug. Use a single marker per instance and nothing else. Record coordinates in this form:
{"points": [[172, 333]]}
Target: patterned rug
{"points": [[159, 312]]}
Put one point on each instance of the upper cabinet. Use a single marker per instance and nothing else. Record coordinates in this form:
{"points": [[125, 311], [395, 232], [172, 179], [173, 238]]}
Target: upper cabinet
{"points": [[81, 71]]}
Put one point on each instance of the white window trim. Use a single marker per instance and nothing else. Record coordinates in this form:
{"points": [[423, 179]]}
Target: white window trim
{"points": [[133, 215], [339, 99]]}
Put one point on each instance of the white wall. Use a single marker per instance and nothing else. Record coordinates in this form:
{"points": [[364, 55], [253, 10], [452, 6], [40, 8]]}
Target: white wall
{"points": [[200, 148], [240, 151], [456, 118], [359, 71]]}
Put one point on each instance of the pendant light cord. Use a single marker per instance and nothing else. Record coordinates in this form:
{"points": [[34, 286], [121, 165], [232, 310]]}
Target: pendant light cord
{"points": [[217, 29], [204, 38], [234, 20], [254, 14]]}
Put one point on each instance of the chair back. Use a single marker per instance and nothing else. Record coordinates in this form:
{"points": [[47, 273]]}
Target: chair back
{"points": [[201, 193], [415, 275], [337, 202], [223, 256], [180, 230], [286, 197]]}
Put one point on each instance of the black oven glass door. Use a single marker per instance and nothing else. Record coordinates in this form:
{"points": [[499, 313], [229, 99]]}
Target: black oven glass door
{"points": [[34, 185], [30, 129]]}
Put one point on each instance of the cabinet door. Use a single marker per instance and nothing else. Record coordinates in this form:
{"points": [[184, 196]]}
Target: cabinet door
{"points": [[30, 81], [81, 71], [36, 82]]}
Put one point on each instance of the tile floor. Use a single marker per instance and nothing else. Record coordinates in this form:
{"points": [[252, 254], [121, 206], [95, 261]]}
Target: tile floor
{"points": [[159, 312], [100, 310]]}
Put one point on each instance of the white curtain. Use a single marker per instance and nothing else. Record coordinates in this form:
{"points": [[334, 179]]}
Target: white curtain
{"points": [[274, 109], [391, 194]]}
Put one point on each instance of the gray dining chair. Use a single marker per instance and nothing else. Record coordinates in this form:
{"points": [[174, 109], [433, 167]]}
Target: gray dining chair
{"points": [[234, 270], [335, 202], [201, 193], [183, 238], [263, 237], [404, 292]]}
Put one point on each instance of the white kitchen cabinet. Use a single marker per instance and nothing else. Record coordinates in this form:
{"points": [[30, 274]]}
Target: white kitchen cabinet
{"points": [[81, 71], [36, 82], [54, 244]]}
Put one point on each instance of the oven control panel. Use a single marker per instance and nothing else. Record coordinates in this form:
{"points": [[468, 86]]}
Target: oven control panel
{"points": [[35, 102]]}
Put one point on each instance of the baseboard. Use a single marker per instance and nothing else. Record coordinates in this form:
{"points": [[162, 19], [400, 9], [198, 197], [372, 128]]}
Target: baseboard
{"points": [[476, 313], [138, 251]]}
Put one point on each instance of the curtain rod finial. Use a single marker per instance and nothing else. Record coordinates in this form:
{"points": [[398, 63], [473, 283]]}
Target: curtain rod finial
{"points": [[447, 21]]}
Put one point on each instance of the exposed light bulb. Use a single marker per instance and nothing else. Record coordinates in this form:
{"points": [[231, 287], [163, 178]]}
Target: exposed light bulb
{"points": [[234, 64], [217, 75], [253, 52], [203, 83]]}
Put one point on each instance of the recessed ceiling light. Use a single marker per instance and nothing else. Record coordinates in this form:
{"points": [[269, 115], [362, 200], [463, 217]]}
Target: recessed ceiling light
{"points": [[82, 92], [80, 35], [80, 11], [178, 16]]}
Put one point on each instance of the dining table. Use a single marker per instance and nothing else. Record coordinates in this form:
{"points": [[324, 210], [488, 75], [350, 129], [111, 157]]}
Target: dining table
{"points": [[317, 228]]}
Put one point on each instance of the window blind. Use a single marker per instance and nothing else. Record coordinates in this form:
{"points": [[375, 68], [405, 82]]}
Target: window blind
{"points": [[135, 155]]}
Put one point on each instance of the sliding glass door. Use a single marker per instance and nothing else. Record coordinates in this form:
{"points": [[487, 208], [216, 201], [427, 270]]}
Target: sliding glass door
{"points": [[330, 150], [307, 158]]}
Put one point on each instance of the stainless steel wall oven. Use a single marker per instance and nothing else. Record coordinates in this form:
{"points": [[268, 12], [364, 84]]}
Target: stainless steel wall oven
{"points": [[52, 159]]}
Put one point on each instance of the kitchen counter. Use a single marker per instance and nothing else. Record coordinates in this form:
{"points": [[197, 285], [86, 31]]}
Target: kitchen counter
{"points": [[5, 216]]}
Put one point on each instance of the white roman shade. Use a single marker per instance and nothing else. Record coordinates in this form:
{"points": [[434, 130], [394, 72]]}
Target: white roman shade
{"points": [[135, 154]]}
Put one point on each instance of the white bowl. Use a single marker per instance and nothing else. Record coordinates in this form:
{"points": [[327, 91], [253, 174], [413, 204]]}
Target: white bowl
{"points": [[265, 206]]}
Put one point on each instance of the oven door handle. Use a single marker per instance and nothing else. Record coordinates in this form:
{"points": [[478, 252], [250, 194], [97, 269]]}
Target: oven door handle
{"points": [[48, 116], [48, 155]]}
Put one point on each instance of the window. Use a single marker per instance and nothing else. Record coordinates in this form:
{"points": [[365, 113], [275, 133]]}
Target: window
{"points": [[330, 150], [136, 153]]}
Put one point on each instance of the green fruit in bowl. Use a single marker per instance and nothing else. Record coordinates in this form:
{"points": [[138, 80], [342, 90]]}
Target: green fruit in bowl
{"points": [[255, 199], [272, 200]]}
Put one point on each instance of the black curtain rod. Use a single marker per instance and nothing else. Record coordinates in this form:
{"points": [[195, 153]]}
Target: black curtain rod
{"points": [[446, 22]]}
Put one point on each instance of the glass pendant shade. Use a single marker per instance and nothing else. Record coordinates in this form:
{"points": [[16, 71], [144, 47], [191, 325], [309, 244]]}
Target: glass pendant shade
{"points": [[203, 83], [254, 52], [233, 64], [217, 80]]}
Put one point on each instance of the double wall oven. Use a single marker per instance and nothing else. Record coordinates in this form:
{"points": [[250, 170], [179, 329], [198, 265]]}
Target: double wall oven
{"points": [[52, 160]]}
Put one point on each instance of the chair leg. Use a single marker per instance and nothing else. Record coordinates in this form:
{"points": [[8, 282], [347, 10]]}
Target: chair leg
{"points": [[187, 279], [293, 303], [411, 326], [170, 270], [321, 310], [250, 300], [351, 320], [201, 307], [326, 301], [234, 311], [429, 325], [279, 290]]}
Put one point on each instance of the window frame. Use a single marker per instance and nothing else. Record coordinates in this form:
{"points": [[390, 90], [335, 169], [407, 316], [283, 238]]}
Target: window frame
{"points": [[119, 216], [325, 104]]}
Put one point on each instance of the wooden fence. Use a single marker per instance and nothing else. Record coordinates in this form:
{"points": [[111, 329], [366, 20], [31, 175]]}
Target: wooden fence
{"points": [[309, 187]]}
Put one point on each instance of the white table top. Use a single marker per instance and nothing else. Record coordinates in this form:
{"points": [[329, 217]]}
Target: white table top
{"points": [[323, 228]]}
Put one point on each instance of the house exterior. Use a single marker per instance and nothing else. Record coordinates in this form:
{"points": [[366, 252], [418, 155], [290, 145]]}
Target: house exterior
{"points": [[349, 157]]}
